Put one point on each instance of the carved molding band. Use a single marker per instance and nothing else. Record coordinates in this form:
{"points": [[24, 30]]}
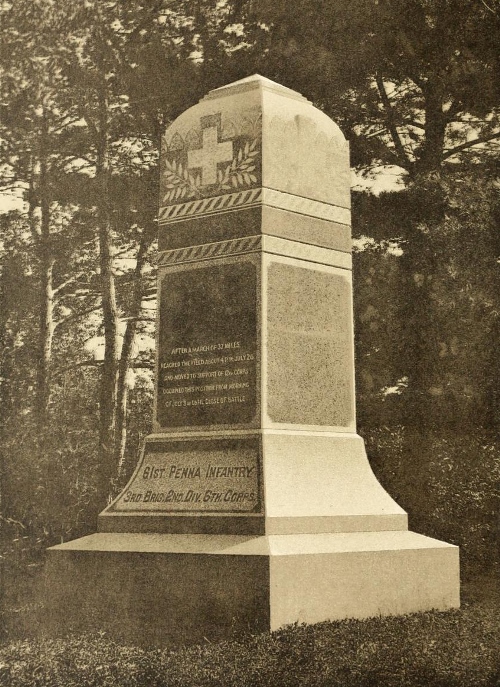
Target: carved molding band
{"points": [[305, 206], [250, 244], [207, 206], [306, 251], [256, 196], [210, 250]]}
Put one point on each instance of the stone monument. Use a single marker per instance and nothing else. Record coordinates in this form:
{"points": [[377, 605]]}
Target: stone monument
{"points": [[253, 504]]}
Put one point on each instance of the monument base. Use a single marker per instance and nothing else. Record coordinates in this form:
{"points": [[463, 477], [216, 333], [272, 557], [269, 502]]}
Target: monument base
{"points": [[160, 589]]}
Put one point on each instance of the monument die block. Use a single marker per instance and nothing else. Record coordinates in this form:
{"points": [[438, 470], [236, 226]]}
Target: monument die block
{"points": [[253, 504]]}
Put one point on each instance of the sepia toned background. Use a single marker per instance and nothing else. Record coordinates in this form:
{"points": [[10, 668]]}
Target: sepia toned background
{"points": [[87, 89]]}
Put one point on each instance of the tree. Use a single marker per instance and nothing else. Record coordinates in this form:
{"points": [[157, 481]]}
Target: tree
{"points": [[428, 315], [412, 83], [37, 134], [109, 47]]}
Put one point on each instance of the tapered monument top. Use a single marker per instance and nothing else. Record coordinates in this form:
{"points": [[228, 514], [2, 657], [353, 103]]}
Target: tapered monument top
{"points": [[255, 134], [250, 83]]}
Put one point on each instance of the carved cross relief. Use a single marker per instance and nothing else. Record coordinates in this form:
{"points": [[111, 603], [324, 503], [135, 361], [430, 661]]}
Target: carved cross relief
{"points": [[209, 155]]}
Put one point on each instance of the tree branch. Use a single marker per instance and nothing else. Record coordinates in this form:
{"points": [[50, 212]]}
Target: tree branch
{"points": [[412, 122], [75, 158], [76, 316], [470, 144], [490, 9], [65, 124], [68, 281], [75, 366]]}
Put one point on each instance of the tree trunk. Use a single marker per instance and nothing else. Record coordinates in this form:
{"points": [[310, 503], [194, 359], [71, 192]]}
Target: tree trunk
{"points": [[107, 406], [46, 267], [46, 335], [431, 154], [147, 238], [127, 349]]}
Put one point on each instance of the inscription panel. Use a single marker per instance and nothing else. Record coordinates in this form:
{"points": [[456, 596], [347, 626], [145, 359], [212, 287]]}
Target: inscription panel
{"points": [[208, 346], [207, 476]]}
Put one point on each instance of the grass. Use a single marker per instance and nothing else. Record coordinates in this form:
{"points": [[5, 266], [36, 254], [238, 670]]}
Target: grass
{"points": [[459, 648]]}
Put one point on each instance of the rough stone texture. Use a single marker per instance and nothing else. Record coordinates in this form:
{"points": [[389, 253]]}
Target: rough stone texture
{"points": [[311, 148], [306, 229], [309, 366], [210, 228]]}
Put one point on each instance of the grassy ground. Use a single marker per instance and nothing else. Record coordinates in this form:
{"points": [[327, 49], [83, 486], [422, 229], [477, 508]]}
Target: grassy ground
{"points": [[453, 649]]}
